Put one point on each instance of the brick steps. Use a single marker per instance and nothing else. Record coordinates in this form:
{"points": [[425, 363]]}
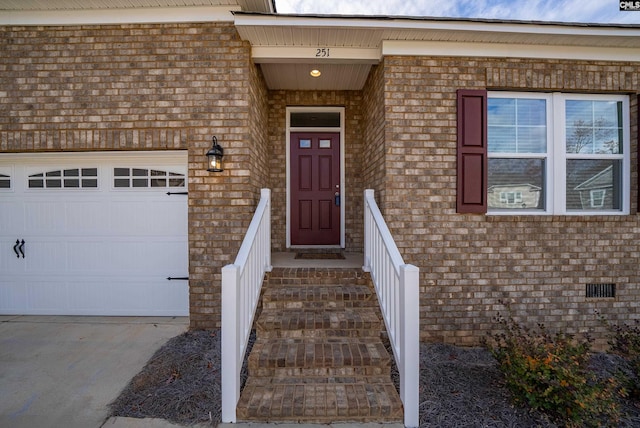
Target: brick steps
{"points": [[321, 403], [323, 322], [318, 357], [332, 296]]}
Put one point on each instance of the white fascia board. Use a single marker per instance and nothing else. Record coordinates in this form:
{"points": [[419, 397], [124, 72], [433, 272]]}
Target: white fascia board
{"points": [[494, 50], [320, 55], [119, 16], [391, 23]]}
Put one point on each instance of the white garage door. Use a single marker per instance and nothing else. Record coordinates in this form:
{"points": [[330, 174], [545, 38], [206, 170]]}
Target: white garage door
{"points": [[94, 234]]}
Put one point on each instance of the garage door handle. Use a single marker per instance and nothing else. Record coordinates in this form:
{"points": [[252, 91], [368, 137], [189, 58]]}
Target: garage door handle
{"points": [[19, 247], [178, 278]]}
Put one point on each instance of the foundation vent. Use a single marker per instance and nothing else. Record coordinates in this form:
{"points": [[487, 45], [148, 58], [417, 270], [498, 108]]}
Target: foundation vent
{"points": [[600, 290]]}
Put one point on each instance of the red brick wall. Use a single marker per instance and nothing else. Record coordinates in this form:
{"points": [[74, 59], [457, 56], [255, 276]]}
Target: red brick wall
{"points": [[148, 87], [470, 262]]}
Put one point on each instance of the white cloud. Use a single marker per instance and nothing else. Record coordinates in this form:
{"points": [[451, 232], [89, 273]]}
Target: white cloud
{"points": [[590, 11]]}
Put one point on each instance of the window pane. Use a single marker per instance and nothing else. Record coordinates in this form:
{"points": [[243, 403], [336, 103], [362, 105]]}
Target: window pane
{"points": [[594, 127], [140, 182], [89, 182], [594, 184], [532, 112], [517, 125], [71, 172], [121, 172], [121, 182], [140, 172], [158, 182], [315, 120], [72, 182], [502, 139], [502, 111], [532, 139], [516, 184], [89, 172]]}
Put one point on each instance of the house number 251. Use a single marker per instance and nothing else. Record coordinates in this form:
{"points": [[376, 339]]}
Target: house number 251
{"points": [[323, 53]]}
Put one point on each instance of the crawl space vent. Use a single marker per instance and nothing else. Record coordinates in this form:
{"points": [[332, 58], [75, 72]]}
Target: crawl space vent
{"points": [[600, 290]]}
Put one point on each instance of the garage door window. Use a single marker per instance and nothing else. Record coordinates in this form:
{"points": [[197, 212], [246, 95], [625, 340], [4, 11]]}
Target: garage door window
{"points": [[5, 181], [74, 178], [144, 178]]}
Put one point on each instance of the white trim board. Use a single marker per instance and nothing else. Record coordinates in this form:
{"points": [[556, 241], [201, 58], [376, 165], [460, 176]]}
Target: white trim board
{"points": [[493, 50]]}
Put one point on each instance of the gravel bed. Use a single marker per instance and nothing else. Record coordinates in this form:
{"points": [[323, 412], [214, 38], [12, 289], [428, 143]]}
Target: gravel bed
{"points": [[459, 387]]}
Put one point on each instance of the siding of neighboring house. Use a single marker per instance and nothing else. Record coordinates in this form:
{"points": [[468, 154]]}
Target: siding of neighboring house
{"points": [[470, 262], [351, 101], [148, 87]]}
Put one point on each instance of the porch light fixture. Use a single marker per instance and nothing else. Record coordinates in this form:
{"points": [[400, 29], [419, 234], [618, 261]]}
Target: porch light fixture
{"points": [[214, 157], [315, 73]]}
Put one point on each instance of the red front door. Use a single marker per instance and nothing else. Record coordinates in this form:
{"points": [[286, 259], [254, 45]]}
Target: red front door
{"points": [[315, 188]]}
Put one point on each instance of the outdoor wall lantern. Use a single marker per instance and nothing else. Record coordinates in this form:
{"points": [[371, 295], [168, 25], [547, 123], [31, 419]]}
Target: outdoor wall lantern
{"points": [[214, 157]]}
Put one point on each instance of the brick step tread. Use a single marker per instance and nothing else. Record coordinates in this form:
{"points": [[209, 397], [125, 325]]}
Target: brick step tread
{"points": [[324, 322], [357, 402], [307, 380], [291, 297], [319, 357], [314, 276]]}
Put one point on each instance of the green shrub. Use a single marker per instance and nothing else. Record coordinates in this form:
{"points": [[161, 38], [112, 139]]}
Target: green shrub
{"points": [[550, 374], [624, 340]]}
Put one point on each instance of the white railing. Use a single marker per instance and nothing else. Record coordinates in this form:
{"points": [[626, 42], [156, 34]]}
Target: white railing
{"points": [[396, 285], [241, 284]]}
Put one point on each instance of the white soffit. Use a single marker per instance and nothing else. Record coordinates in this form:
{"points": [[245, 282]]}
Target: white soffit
{"points": [[338, 77]]}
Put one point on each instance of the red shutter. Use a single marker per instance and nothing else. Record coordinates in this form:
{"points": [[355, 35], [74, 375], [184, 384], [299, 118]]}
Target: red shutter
{"points": [[472, 151]]}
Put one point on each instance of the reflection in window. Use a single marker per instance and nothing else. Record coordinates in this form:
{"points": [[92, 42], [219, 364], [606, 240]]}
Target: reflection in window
{"points": [[589, 178], [144, 178], [593, 127], [516, 184], [305, 143], [74, 178]]}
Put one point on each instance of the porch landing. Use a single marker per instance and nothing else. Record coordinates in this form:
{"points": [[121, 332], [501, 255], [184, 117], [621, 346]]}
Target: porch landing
{"points": [[288, 260]]}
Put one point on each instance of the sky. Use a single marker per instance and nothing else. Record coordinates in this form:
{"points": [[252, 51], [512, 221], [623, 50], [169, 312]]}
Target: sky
{"points": [[585, 11]]}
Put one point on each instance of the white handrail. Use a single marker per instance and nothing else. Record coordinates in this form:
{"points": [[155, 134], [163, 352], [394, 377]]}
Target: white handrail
{"points": [[397, 287], [241, 285]]}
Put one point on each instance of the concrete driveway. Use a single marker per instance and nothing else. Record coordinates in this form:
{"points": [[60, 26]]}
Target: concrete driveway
{"points": [[64, 371]]}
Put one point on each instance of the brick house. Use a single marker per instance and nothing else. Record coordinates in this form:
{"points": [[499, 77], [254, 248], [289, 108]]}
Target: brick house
{"points": [[107, 115]]}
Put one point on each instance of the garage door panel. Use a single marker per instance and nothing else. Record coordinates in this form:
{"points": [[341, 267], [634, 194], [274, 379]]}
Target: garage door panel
{"points": [[44, 256], [91, 217], [142, 217], [13, 296], [99, 250], [45, 217], [47, 296], [88, 257]]}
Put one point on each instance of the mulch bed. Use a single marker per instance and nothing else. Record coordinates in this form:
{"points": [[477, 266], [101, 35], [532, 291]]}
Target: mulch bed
{"points": [[459, 387]]}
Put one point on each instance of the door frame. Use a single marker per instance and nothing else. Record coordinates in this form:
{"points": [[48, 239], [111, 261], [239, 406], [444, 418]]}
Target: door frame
{"points": [[343, 190]]}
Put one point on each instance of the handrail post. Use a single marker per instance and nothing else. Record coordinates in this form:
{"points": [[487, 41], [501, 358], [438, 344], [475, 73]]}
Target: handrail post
{"points": [[230, 371], [409, 338], [368, 194], [266, 194]]}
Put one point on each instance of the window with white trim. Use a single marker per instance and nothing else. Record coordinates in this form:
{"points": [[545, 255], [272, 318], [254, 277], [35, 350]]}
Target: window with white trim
{"points": [[564, 153]]}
